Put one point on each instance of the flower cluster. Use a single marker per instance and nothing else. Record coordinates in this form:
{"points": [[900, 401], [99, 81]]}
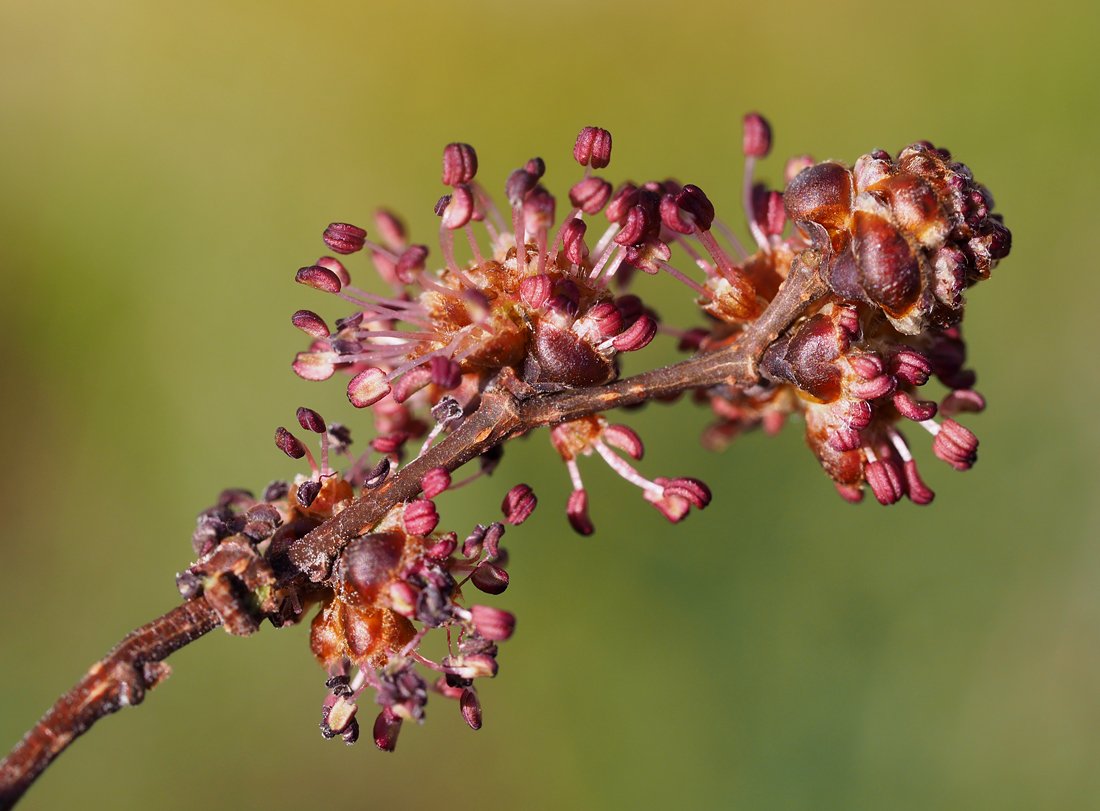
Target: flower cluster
{"points": [[535, 308], [538, 310], [898, 242], [389, 587]]}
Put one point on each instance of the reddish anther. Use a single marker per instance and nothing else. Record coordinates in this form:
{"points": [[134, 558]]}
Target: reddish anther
{"points": [[368, 387], [593, 146], [311, 324], [310, 420], [492, 623], [756, 137], [956, 445], [318, 278], [490, 578], [590, 195], [470, 706], [885, 480], [918, 491], [625, 439], [459, 210], [459, 164], [518, 504], [636, 336], [576, 510], [391, 229], [420, 517], [535, 290], [410, 262], [435, 481], [289, 444], [573, 241], [345, 238]]}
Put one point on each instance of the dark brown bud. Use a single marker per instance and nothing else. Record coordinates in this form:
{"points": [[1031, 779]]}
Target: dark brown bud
{"points": [[889, 270], [821, 194]]}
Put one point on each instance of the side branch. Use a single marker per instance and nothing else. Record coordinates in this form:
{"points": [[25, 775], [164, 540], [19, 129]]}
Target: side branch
{"points": [[118, 680]]}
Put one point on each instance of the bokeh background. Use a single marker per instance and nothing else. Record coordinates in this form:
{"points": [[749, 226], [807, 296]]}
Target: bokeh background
{"points": [[164, 169]]}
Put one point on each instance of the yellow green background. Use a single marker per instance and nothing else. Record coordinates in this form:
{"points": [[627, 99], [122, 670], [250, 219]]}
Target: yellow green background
{"points": [[164, 169]]}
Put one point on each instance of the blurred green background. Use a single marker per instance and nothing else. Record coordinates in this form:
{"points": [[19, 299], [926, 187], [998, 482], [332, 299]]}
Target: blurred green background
{"points": [[164, 169]]}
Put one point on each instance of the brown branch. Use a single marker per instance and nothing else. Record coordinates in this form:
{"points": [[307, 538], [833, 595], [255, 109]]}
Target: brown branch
{"points": [[134, 666], [120, 679]]}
